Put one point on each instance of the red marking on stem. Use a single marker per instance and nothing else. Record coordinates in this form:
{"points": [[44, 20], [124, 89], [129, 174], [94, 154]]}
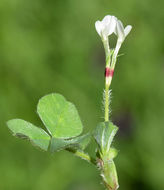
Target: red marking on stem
{"points": [[109, 72]]}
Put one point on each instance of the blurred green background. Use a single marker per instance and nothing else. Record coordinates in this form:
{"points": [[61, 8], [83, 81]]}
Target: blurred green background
{"points": [[52, 46]]}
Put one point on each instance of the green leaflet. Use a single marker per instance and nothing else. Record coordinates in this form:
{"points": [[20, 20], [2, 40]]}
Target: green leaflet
{"points": [[59, 116], [25, 129], [104, 134]]}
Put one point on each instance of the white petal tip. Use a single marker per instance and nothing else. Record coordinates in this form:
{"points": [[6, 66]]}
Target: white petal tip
{"points": [[127, 30], [98, 27]]}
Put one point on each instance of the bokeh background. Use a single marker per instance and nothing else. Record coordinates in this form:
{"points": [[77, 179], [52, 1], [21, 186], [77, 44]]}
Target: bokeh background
{"points": [[52, 46]]}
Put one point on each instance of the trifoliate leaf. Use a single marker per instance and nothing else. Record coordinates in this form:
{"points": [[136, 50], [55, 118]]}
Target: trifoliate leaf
{"points": [[25, 129], [104, 134], [59, 116]]}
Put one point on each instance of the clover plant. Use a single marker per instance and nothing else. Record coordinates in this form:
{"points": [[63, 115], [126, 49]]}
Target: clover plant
{"points": [[63, 126]]}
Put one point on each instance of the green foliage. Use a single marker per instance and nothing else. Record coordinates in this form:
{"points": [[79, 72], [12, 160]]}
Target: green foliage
{"points": [[59, 116], [43, 51], [109, 175], [77, 143], [112, 153], [104, 134], [63, 123], [24, 129], [61, 120]]}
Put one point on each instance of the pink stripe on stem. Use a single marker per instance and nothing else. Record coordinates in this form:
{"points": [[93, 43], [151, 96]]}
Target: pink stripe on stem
{"points": [[109, 72]]}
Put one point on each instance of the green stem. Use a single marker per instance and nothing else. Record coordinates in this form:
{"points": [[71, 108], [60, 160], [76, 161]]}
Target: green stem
{"points": [[82, 155], [106, 46], [107, 85], [106, 102], [109, 174]]}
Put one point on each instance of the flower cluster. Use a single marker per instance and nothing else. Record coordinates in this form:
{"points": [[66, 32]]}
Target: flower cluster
{"points": [[109, 25]]}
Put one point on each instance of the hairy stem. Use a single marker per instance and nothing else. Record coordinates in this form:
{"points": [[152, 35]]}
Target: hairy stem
{"points": [[106, 102]]}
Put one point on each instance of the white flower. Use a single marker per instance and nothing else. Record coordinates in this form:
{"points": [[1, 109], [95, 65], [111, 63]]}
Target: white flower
{"points": [[121, 32], [110, 24], [106, 27]]}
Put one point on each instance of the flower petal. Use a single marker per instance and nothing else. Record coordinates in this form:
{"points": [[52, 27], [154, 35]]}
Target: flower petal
{"points": [[98, 26], [112, 25], [120, 31], [106, 24], [127, 30], [106, 20]]}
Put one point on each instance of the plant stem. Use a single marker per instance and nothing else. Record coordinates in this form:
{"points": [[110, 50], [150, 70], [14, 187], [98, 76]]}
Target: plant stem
{"points": [[106, 46], [82, 155], [109, 174], [106, 102], [108, 79]]}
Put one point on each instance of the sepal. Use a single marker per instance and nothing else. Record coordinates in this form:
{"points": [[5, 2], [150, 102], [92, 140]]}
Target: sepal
{"points": [[104, 134]]}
